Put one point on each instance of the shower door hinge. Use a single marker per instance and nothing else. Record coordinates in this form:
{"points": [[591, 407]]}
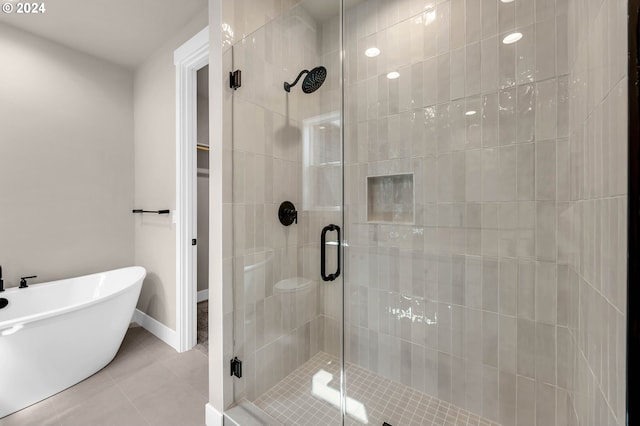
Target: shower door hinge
{"points": [[236, 367], [235, 79], [194, 241]]}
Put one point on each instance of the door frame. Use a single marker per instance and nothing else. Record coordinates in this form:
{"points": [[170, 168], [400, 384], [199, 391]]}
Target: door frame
{"points": [[633, 218], [188, 59]]}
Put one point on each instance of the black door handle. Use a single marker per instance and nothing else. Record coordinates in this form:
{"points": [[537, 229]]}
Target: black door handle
{"points": [[323, 239]]}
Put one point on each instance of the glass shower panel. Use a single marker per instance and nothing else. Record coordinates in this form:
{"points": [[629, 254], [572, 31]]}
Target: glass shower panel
{"points": [[452, 164], [287, 147]]}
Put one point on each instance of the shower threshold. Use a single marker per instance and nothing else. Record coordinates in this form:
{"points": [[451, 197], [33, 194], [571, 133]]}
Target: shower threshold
{"points": [[307, 397]]}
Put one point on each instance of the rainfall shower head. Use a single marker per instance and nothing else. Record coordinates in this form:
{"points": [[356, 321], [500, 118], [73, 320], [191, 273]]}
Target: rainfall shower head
{"points": [[311, 82]]}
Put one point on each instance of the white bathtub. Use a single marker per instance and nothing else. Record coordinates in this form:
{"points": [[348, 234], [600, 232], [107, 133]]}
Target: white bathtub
{"points": [[54, 335]]}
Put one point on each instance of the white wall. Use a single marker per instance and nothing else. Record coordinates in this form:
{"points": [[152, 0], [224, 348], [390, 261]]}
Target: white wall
{"points": [[155, 174], [66, 160]]}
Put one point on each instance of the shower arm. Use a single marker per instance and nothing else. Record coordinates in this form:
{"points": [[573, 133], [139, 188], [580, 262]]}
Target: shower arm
{"points": [[288, 86]]}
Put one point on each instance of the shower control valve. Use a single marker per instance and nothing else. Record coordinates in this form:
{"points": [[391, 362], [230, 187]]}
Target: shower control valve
{"points": [[287, 213]]}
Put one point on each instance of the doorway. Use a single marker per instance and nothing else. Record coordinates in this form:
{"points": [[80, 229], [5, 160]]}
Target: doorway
{"points": [[189, 58], [202, 209]]}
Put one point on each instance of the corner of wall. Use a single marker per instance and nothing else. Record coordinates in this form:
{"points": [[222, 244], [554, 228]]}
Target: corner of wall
{"points": [[217, 378]]}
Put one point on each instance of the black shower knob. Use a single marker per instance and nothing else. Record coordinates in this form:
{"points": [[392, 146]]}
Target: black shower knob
{"points": [[287, 213]]}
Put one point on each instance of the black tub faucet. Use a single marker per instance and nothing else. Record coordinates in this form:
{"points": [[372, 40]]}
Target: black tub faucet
{"points": [[1, 282], [23, 281]]}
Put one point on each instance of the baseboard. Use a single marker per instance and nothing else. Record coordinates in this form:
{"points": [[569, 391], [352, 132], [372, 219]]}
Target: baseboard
{"points": [[212, 417], [203, 295], [155, 327]]}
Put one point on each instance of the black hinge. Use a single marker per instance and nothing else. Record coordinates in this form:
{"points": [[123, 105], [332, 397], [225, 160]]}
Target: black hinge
{"points": [[194, 241], [236, 367], [235, 79]]}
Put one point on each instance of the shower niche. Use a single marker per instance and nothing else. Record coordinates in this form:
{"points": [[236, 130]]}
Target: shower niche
{"points": [[390, 199]]}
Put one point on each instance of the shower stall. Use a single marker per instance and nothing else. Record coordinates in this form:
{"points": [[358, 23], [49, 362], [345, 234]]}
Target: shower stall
{"points": [[427, 216]]}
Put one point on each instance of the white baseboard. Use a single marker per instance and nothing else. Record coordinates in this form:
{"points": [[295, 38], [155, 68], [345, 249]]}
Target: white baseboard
{"points": [[212, 417], [203, 295], [155, 327]]}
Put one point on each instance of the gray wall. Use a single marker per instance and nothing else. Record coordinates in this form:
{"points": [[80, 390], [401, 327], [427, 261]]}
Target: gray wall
{"points": [[67, 157], [466, 296], [273, 333], [66, 160], [155, 174], [594, 220]]}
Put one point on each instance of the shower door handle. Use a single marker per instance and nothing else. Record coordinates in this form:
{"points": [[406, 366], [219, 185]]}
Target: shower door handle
{"points": [[323, 245]]}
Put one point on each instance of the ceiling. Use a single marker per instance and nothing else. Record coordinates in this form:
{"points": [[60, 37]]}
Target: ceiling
{"points": [[122, 31]]}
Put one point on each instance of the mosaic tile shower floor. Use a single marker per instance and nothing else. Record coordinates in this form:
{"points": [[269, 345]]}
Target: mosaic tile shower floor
{"points": [[292, 402]]}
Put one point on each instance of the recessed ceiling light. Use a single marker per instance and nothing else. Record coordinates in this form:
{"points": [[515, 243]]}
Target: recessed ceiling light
{"points": [[512, 38], [393, 75], [471, 112], [372, 52], [506, 1]]}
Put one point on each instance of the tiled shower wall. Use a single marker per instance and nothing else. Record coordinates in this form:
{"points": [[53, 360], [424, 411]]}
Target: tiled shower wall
{"points": [[465, 303], [272, 333], [507, 295], [594, 220]]}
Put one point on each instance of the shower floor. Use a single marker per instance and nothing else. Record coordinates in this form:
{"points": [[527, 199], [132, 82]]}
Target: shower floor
{"points": [[292, 402]]}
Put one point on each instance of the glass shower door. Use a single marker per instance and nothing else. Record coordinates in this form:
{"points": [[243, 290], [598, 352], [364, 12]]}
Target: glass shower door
{"points": [[456, 190], [287, 216], [438, 146]]}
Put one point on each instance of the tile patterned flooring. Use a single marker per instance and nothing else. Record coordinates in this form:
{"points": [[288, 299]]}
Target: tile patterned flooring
{"points": [[148, 383], [292, 403]]}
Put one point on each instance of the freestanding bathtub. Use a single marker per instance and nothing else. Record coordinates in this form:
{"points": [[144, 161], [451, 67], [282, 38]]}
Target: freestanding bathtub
{"points": [[54, 335]]}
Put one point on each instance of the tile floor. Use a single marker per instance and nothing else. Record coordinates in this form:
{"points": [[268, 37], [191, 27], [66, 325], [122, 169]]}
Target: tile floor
{"points": [[292, 403], [148, 383]]}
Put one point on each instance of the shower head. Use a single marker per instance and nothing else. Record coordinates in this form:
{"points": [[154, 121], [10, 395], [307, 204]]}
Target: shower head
{"points": [[311, 82]]}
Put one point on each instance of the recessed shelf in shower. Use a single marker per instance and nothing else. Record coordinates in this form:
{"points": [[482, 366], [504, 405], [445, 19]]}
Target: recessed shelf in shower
{"points": [[390, 198]]}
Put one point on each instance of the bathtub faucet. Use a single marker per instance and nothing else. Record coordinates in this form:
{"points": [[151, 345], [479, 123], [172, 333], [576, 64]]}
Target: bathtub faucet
{"points": [[23, 281]]}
